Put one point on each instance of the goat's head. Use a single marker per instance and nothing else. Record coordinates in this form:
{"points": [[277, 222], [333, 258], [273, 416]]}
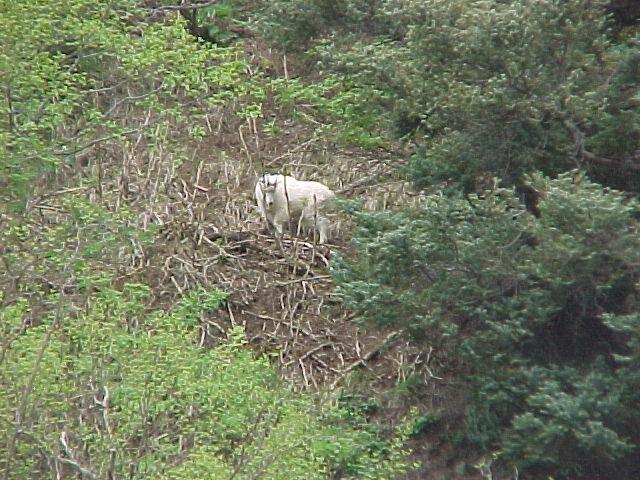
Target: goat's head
{"points": [[268, 184]]}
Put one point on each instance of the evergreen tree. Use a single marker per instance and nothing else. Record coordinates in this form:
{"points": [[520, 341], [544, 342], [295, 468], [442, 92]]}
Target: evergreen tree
{"points": [[540, 315]]}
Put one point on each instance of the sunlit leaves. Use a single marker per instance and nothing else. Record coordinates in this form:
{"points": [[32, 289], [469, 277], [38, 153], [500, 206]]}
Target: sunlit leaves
{"points": [[146, 400], [69, 70]]}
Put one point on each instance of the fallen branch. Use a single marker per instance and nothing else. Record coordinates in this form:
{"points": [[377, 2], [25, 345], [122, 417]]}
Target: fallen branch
{"points": [[84, 472], [280, 322], [363, 360], [304, 279], [310, 352], [315, 349], [186, 6]]}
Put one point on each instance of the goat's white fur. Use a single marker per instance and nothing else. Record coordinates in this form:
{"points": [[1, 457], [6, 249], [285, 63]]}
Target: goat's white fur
{"points": [[282, 199]]}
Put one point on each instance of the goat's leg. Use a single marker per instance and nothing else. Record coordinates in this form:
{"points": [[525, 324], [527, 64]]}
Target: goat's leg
{"points": [[323, 229], [319, 226], [278, 226]]}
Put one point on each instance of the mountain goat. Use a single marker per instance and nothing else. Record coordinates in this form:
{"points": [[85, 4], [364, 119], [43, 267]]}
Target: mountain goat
{"points": [[282, 199]]}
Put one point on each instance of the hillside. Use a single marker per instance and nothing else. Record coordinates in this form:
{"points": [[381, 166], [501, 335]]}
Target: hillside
{"points": [[475, 314], [160, 203]]}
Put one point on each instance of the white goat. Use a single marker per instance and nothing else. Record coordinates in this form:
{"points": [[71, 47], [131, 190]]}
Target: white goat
{"points": [[283, 199]]}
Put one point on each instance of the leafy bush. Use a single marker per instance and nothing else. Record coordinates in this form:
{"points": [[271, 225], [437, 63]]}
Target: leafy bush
{"points": [[71, 70], [115, 390], [539, 315], [333, 108]]}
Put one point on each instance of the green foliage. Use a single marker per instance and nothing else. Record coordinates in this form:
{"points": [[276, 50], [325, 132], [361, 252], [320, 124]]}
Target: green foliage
{"points": [[567, 416], [423, 423], [85, 249], [217, 19], [158, 405], [489, 87], [534, 309], [363, 450], [293, 25], [296, 26], [333, 108], [68, 70]]}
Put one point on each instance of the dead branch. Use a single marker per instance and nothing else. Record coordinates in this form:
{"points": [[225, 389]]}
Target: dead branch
{"points": [[304, 279], [185, 6], [84, 472], [581, 154], [362, 361], [92, 143], [315, 349]]}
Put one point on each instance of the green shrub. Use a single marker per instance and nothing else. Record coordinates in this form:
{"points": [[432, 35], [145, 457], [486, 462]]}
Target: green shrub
{"points": [[533, 312], [132, 394], [69, 69], [296, 25], [492, 88], [332, 108]]}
